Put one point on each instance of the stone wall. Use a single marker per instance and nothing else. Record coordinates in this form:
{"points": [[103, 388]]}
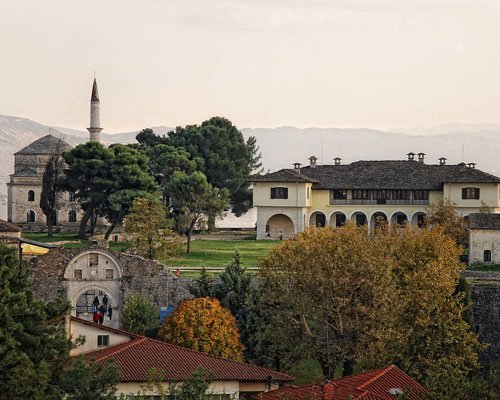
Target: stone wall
{"points": [[485, 293], [139, 275]]}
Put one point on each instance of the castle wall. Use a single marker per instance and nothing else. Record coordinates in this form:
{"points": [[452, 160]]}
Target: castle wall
{"points": [[485, 293]]}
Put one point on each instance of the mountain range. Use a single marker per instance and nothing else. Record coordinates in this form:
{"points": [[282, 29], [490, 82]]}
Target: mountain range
{"points": [[282, 146]]}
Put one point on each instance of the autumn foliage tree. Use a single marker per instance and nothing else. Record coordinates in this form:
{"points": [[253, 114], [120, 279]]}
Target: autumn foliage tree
{"points": [[370, 300], [149, 226], [203, 325], [337, 286], [444, 215]]}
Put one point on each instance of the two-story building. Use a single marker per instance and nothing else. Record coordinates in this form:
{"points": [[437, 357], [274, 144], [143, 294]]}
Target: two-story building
{"points": [[395, 192]]}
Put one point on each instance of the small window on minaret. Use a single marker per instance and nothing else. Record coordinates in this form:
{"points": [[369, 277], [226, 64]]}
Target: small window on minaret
{"points": [[31, 195]]}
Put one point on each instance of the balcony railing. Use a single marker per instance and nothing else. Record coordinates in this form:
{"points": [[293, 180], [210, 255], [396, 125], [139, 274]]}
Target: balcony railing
{"points": [[354, 202]]}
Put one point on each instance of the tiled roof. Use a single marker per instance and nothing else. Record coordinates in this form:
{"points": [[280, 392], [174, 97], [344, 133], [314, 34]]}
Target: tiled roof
{"points": [[389, 174], [6, 226], [138, 356], [310, 392], [284, 175], [45, 145], [371, 385], [484, 221]]}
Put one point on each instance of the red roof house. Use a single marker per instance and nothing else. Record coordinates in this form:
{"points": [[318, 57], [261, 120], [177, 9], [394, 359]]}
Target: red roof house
{"points": [[137, 355], [379, 384]]}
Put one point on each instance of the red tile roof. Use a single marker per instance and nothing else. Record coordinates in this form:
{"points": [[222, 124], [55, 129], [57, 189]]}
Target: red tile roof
{"points": [[371, 385], [138, 356]]}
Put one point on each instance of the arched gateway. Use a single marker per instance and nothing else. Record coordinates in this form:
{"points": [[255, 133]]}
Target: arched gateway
{"points": [[79, 276], [92, 274]]}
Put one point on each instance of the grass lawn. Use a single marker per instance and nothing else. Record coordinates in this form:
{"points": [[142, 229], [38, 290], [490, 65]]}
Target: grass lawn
{"points": [[485, 267], [56, 237], [219, 253], [73, 241]]}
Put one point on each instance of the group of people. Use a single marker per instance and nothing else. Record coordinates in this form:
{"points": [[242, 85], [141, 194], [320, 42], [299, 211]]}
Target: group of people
{"points": [[100, 310]]}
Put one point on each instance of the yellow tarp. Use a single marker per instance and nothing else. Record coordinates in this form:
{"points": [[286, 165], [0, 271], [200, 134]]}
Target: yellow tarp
{"points": [[32, 250]]}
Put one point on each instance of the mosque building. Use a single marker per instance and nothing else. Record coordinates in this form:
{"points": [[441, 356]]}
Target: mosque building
{"points": [[25, 186]]}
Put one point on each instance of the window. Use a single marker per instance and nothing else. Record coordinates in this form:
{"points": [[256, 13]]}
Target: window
{"points": [[470, 193], [487, 256], [339, 194], [308, 193], [400, 195], [71, 196], [381, 194], [93, 259], [77, 274], [72, 216], [279, 193], [30, 216], [31, 195], [109, 273], [421, 195], [361, 194], [103, 340]]}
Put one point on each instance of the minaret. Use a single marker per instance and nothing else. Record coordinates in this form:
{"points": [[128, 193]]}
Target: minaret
{"points": [[95, 119]]}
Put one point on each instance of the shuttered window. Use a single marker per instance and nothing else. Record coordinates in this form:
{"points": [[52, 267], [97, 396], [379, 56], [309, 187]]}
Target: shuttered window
{"points": [[470, 193], [279, 193]]}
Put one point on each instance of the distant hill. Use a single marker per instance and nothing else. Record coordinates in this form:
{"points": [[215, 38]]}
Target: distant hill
{"points": [[282, 146]]}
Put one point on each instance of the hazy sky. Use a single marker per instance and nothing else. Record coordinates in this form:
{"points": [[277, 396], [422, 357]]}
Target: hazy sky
{"points": [[342, 63]]}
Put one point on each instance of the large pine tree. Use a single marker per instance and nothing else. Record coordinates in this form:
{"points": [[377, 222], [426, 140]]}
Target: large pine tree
{"points": [[33, 344]]}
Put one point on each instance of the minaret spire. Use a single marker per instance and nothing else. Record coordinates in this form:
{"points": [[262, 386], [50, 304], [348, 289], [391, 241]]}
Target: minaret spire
{"points": [[95, 118]]}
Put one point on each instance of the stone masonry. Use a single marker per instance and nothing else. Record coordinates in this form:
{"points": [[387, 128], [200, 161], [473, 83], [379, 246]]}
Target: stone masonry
{"points": [[485, 293]]}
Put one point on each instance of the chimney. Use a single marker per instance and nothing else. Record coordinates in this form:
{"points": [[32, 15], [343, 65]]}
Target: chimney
{"points": [[296, 167], [337, 160], [442, 161], [312, 161], [421, 157], [411, 156], [471, 165]]}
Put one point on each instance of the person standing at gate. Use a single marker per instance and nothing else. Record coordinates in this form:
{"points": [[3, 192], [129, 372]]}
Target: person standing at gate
{"points": [[95, 303], [102, 311], [110, 311], [105, 302]]}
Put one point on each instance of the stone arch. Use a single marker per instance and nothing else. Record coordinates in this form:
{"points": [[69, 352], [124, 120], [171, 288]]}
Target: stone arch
{"points": [[106, 256], [399, 219], [113, 294], [30, 216], [337, 219], [378, 219], [280, 225], [359, 218], [94, 271], [317, 219], [418, 219]]}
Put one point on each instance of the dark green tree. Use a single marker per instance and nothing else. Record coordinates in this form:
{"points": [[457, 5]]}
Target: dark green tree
{"points": [[227, 160], [50, 185], [191, 199], [130, 170], [234, 287], [83, 381], [33, 343], [105, 180], [202, 286], [147, 138]]}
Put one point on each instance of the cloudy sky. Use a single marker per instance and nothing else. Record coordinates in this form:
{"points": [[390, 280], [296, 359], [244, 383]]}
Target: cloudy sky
{"points": [[326, 63]]}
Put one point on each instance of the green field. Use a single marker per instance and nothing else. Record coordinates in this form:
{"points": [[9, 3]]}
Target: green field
{"points": [[219, 253], [70, 241]]}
